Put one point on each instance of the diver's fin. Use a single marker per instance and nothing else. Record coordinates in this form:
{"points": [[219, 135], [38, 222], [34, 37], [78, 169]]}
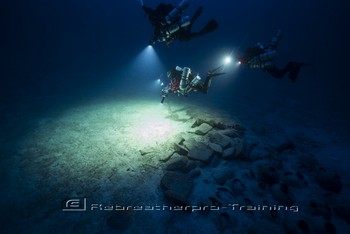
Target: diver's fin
{"points": [[294, 69], [211, 26], [209, 74], [197, 14], [215, 69]]}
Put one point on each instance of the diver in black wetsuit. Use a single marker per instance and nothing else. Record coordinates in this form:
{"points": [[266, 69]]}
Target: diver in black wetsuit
{"points": [[183, 81], [170, 24], [263, 57]]}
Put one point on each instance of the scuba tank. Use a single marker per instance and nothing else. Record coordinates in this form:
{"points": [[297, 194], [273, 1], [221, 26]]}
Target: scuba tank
{"points": [[176, 12], [185, 21], [275, 40], [184, 78]]}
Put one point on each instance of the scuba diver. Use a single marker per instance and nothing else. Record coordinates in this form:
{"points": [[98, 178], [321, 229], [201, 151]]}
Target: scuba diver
{"points": [[183, 81], [170, 24], [263, 57]]}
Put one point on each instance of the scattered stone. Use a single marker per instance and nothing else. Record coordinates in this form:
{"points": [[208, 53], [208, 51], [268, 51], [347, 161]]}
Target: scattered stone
{"points": [[217, 138], [222, 222], [343, 212], [233, 133], [179, 138], [180, 149], [265, 226], [259, 189], [120, 220], [236, 186], [286, 145], [203, 129], [176, 198], [281, 194], [259, 130], [293, 179], [215, 161], [195, 173], [240, 148], [183, 117], [229, 153], [165, 155], [177, 182], [142, 152], [190, 143], [221, 175], [296, 224], [267, 174], [318, 208], [258, 153], [181, 164], [200, 152], [307, 161], [147, 150], [320, 225], [216, 148], [218, 124], [224, 195], [214, 201], [197, 123], [329, 181]]}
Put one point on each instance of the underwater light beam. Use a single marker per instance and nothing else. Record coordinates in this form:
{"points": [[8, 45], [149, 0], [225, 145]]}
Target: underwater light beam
{"points": [[148, 62]]}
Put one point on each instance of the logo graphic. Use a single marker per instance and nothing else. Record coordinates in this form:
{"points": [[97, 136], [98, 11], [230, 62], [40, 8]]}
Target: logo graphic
{"points": [[75, 204]]}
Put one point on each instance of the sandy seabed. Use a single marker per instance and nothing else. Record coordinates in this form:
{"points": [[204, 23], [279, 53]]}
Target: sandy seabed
{"points": [[115, 153]]}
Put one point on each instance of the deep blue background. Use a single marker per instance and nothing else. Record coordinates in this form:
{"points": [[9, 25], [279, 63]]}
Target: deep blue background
{"points": [[63, 47]]}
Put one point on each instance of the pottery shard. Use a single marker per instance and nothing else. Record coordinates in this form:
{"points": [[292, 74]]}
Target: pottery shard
{"points": [[203, 129], [222, 140], [200, 152], [177, 182]]}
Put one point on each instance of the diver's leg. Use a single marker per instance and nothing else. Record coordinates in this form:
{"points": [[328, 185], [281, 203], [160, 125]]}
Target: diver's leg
{"points": [[196, 14], [187, 34], [294, 69], [276, 72], [206, 84], [211, 26]]}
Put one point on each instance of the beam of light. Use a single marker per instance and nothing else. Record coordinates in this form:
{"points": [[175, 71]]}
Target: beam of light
{"points": [[147, 64], [231, 59], [227, 60], [139, 75]]}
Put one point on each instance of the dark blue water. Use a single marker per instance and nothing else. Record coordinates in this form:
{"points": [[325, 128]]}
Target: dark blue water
{"points": [[65, 52]]}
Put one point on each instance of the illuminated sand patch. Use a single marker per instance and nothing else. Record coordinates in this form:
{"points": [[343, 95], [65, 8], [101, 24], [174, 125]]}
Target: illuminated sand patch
{"points": [[104, 147]]}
